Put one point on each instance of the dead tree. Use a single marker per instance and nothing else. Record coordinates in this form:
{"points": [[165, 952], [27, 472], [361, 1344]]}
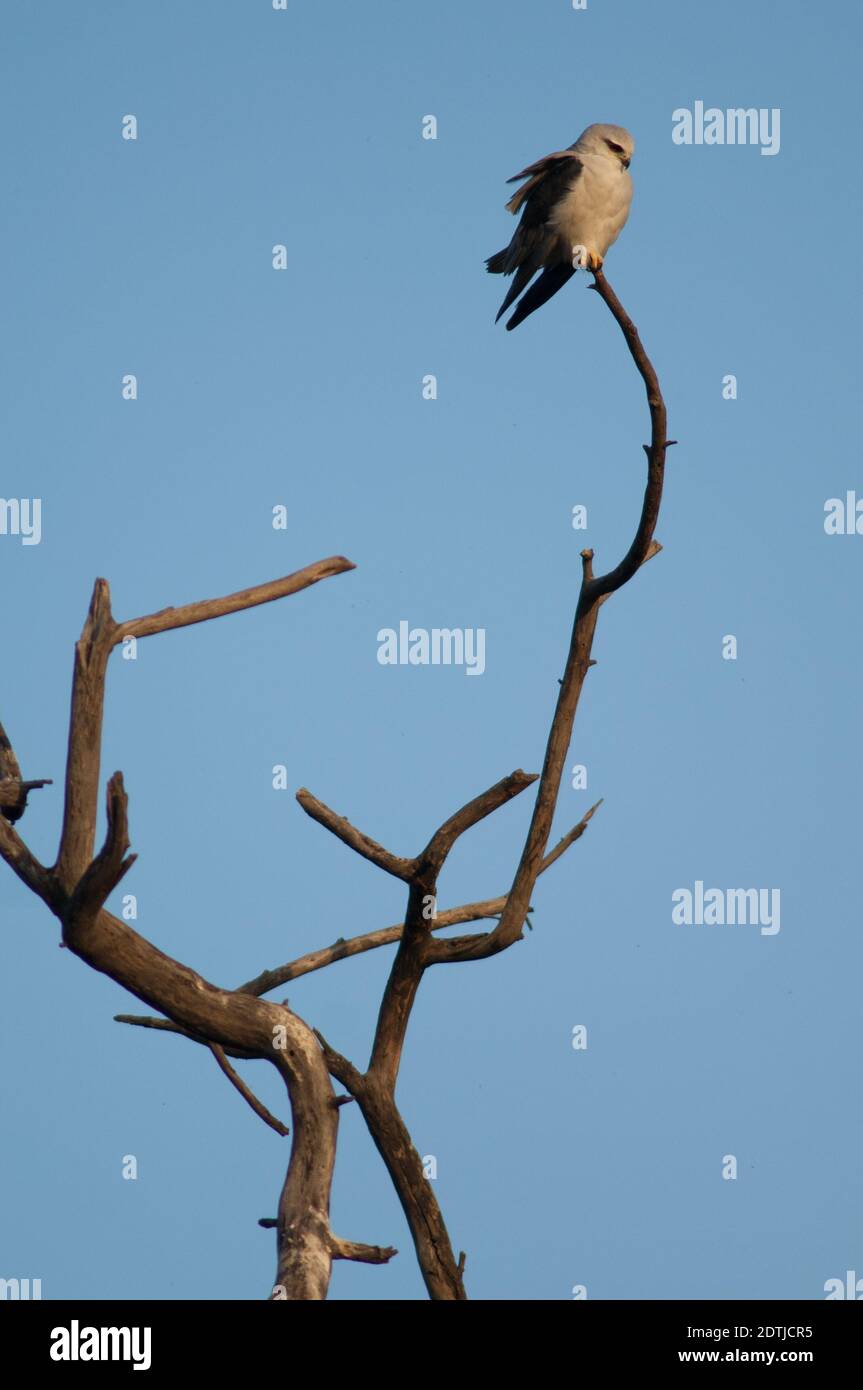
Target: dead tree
{"points": [[239, 1022]]}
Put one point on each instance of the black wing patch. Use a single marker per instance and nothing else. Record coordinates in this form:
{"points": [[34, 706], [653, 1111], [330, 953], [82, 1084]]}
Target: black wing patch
{"points": [[540, 292], [547, 181]]}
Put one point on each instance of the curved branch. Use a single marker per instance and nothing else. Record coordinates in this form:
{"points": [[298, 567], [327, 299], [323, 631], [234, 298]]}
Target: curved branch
{"points": [[375, 1091], [578, 663], [39, 879], [637, 552], [78, 886], [432, 859]]}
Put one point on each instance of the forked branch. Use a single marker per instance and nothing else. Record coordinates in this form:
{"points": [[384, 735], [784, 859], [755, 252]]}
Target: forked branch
{"points": [[374, 1090], [239, 1022], [77, 888]]}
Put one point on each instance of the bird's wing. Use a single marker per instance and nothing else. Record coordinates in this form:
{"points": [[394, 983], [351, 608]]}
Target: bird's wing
{"points": [[547, 180]]}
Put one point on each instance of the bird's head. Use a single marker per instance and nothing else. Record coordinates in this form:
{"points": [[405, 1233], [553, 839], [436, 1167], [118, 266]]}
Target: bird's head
{"points": [[610, 141]]}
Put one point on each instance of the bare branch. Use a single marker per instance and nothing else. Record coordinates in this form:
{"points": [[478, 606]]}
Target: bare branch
{"points": [[375, 1092], [570, 837], [346, 1249], [38, 879], [637, 553], [168, 618], [110, 865], [239, 1021], [100, 635], [355, 839], [653, 549], [441, 1273], [236, 1080], [427, 864], [165, 1025], [365, 1254], [357, 945], [416, 943], [85, 738], [433, 856], [79, 884], [343, 949], [512, 919], [338, 1066], [480, 944], [318, 960]]}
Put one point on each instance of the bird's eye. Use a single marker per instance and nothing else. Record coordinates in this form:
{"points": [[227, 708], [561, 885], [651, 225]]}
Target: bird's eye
{"points": [[618, 149]]}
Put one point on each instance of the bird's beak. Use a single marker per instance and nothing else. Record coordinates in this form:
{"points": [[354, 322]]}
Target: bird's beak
{"points": [[625, 163]]}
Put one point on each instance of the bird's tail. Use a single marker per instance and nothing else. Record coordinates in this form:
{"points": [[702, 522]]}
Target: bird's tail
{"points": [[549, 282], [496, 264], [523, 276]]}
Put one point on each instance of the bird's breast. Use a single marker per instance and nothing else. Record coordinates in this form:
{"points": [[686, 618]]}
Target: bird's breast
{"points": [[593, 212]]}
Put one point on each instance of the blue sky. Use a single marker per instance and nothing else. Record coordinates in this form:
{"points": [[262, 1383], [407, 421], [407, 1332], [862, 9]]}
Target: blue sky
{"points": [[302, 387]]}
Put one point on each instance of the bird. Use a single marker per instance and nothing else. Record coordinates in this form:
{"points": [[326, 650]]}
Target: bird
{"points": [[9, 770], [576, 202]]}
